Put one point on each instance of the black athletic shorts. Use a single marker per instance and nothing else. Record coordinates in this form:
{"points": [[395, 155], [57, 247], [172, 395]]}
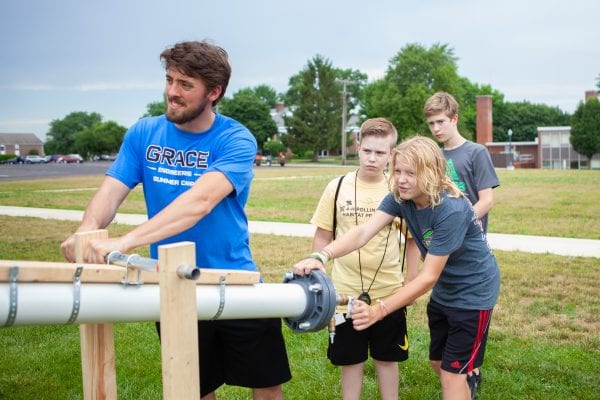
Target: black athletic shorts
{"points": [[249, 353], [458, 336], [387, 340]]}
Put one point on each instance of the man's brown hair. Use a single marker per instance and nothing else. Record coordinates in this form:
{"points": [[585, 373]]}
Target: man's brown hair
{"points": [[202, 60]]}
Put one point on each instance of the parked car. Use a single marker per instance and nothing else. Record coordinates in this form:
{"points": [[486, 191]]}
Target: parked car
{"points": [[269, 160], [14, 160], [68, 159], [53, 158], [281, 159], [33, 159]]}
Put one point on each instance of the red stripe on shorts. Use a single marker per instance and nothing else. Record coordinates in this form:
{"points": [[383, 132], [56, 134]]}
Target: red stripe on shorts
{"points": [[484, 318]]}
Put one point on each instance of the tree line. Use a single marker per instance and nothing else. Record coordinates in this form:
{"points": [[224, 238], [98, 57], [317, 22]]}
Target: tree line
{"points": [[314, 98]]}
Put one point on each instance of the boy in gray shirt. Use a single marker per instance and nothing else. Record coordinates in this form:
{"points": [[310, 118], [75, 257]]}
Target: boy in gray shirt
{"points": [[468, 164]]}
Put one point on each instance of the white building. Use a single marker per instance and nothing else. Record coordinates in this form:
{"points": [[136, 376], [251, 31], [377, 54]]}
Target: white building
{"points": [[555, 150]]}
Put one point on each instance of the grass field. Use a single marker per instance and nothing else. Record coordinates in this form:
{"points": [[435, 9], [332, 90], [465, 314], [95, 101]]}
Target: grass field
{"points": [[544, 341], [530, 202]]}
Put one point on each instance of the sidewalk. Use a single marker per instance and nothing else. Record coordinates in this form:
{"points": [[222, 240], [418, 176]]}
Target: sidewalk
{"points": [[498, 241]]}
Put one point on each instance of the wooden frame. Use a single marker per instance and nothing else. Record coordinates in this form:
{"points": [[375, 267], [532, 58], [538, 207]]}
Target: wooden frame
{"points": [[178, 314]]}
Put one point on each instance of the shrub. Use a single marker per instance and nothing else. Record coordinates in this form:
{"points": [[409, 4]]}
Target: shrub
{"points": [[4, 157], [273, 147]]}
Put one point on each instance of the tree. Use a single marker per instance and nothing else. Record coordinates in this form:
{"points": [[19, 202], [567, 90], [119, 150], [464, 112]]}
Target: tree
{"points": [[267, 94], [524, 118], [155, 109], [61, 136], [585, 129], [414, 74], [315, 98], [247, 108], [102, 138]]}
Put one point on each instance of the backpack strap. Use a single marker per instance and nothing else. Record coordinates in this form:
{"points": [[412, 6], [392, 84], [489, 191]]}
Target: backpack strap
{"points": [[337, 192], [402, 251]]}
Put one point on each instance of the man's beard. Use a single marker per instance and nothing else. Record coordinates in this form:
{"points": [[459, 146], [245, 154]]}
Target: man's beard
{"points": [[187, 115]]}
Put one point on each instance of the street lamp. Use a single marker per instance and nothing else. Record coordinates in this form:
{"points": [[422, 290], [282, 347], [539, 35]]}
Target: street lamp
{"points": [[510, 158]]}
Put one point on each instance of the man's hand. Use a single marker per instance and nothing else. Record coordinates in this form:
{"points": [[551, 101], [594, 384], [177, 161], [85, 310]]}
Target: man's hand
{"points": [[303, 267], [98, 249], [363, 315], [68, 248]]}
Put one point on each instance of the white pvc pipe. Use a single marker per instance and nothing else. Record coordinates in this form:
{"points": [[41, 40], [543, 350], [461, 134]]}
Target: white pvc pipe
{"points": [[52, 303]]}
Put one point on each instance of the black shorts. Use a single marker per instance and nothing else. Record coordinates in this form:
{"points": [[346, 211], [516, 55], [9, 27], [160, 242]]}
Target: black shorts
{"points": [[249, 353], [387, 340], [458, 336]]}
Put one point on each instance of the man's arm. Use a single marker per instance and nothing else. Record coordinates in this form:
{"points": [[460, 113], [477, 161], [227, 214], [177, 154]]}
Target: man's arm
{"points": [[99, 212], [183, 213], [485, 202]]}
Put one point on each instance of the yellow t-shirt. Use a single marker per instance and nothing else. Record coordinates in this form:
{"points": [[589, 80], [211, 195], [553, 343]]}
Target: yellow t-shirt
{"points": [[346, 274]]}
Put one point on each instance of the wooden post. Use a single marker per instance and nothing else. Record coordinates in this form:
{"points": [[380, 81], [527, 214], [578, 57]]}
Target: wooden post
{"points": [[97, 342], [178, 323]]}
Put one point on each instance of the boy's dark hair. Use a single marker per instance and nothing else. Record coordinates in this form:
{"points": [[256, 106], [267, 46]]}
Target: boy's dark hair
{"points": [[202, 60]]}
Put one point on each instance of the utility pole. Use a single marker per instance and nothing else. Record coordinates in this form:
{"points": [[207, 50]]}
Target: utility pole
{"points": [[344, 82]]}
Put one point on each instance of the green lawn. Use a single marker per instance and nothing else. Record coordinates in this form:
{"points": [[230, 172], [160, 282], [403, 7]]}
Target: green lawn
{"points": [[544, 341], [528, 201]]}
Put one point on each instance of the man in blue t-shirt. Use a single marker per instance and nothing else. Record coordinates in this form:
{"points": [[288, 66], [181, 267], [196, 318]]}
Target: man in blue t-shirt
{"points": [[196, 167]]}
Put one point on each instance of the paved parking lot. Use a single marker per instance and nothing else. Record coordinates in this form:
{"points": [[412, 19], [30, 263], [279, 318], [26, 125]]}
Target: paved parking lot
{"points": [[51, 170], [54, 170]]}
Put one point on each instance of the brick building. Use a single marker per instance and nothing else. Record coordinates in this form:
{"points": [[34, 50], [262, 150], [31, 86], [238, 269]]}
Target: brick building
{"points": [[550, 150], [20, 144]]}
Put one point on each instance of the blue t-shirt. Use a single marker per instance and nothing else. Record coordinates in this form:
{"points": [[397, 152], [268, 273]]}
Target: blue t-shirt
{"points": [[471, 278], [168, 161]]}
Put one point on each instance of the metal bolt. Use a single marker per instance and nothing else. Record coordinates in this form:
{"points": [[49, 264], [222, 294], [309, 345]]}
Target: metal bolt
{"points": [[304, 325], [315, 287]]}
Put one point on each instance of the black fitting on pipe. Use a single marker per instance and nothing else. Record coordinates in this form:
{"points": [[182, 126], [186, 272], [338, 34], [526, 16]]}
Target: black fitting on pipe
{"points": [[320, 301]]}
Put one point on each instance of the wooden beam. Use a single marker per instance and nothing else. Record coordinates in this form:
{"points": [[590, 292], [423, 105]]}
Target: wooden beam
{"points": [[178, 324], [38, 272], [97, 342]]}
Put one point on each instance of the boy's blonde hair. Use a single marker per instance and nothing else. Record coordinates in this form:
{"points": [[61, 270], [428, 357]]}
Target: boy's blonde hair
{"points": [[379, 127], [429, 164], [441, 102]]}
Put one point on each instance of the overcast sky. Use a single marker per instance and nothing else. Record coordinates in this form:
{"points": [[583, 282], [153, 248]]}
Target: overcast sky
{"points": [[61, 56]]}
